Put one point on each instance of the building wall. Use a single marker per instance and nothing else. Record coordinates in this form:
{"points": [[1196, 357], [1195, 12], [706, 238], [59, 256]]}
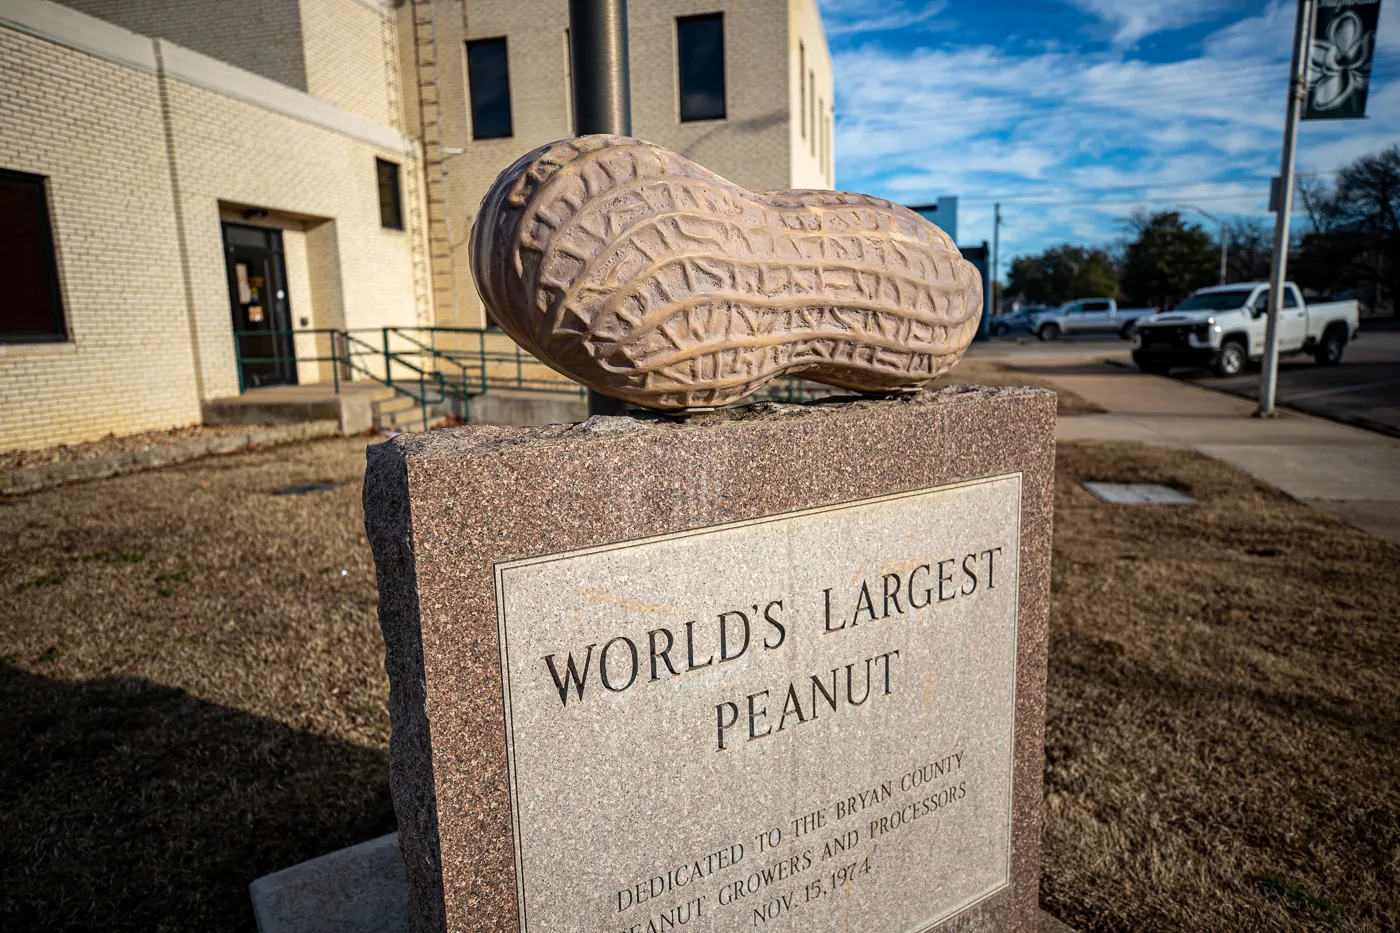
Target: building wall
{"points": [[750, 145], [348, 60], [811, 90], [261, 36], [93, 128], [334, 50], [146, 147], [308, 177], [756, 145]]}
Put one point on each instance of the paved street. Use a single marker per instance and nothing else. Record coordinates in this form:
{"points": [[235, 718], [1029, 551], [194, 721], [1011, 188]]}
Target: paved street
{"points": [[1364, 390]]}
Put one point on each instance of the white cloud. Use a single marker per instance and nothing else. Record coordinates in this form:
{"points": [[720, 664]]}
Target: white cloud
{"points": [[1131, 20], [843, 17], [1046, 130]]}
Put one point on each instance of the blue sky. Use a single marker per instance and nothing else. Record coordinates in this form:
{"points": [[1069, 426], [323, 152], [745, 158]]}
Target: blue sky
{"points": [[1047, 103]]}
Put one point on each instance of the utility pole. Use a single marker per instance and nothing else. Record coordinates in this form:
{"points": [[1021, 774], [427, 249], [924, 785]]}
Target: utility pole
{"points": [[602, 94], [1224, 236], [1278, 272], [996, 257]]}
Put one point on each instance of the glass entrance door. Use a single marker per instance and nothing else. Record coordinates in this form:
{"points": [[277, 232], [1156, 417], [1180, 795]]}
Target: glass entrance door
{"points": [[257, 285]]}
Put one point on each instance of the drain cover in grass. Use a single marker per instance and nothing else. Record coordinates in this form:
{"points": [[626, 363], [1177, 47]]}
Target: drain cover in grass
{"points": [[305, 488], [1138, 494]]}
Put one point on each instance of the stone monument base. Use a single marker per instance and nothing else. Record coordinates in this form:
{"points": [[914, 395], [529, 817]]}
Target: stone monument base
{"points": [[362, 889], [772, 667]]}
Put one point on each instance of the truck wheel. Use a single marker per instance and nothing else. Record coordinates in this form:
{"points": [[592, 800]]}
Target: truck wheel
{"points": [[1050, 332], [1000, 330], [1231, 359], [1329, 351], [1126, 331]]}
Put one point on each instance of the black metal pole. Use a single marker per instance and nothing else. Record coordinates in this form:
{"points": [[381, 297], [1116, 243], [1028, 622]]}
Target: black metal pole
{"points": [[598, 46], [602, 94]]}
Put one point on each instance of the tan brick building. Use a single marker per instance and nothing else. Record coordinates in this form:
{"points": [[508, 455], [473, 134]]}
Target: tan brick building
{"points": [[173, 172]]}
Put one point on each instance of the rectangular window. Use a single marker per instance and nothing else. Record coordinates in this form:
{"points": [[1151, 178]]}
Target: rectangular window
{"points": [[802, 82], [31, 311], [812, 116], [569, 83], [488, 78], [390, 201], [831, 146], [700, 46], [821, 143]]}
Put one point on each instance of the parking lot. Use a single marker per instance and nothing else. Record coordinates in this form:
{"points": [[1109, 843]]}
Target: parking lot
{"points": [[1363, 390]]}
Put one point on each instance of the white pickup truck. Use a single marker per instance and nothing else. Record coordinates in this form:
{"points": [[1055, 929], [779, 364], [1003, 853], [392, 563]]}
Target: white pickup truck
{"points": [[1223, 328], [1088, 316]]}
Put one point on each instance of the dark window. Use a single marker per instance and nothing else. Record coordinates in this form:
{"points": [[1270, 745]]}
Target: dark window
{"points": [[1290, 299], [700, 41], [802, 82], [30, 311], [1095, 306], [390, 201], [488, 75]]}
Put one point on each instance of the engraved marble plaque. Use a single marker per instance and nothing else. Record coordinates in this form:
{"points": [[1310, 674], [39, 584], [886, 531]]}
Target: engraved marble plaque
{"points": [[802, 722]]}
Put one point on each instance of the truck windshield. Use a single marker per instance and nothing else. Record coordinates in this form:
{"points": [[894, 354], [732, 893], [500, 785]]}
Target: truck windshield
{"points": [[1215, 301]]}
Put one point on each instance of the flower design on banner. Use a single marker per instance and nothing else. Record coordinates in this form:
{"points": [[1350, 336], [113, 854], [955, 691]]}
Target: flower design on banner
{"points": [[1341, 63]]}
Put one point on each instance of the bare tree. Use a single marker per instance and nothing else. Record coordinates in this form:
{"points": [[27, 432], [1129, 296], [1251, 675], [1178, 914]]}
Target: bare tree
{"points": [[1251, 249], [1354, 244]]}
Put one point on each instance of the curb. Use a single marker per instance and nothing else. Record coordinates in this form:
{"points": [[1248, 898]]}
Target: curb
{"points": [[33, 479]]}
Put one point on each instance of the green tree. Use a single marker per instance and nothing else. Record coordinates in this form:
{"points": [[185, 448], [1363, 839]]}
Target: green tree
{"points": [[1168, 260], [1062, 273]]}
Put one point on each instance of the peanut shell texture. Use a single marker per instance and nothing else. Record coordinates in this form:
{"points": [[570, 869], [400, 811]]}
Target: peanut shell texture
{"points": [[643, 275]]}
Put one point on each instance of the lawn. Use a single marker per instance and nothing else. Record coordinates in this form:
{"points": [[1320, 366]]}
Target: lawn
{"points": [[192, 677]]}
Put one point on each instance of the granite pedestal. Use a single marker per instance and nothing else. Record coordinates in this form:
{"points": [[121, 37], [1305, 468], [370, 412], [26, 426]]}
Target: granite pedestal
{"points": [[779, 667]]}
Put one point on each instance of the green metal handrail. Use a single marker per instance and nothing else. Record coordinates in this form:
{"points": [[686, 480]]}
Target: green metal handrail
{"points": [[436, 374]]}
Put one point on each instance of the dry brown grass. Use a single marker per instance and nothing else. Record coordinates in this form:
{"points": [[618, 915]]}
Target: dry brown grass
{"points": [[193, 697], [992, 373], [193, 692], [1224, 707]]}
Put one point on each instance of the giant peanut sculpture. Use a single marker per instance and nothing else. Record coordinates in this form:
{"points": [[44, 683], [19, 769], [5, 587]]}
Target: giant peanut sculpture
{"points": [[650, 279]]}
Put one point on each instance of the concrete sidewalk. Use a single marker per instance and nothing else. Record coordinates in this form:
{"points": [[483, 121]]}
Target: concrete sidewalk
{"points": [[1349, 472]]}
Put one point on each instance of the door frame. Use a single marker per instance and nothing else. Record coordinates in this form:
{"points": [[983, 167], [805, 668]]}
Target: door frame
{"points": [[282, 343]]}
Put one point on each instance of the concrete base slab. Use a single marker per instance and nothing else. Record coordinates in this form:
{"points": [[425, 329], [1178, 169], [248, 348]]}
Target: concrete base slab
{"points": [[352, 407], [362, 889], [526, 408]]}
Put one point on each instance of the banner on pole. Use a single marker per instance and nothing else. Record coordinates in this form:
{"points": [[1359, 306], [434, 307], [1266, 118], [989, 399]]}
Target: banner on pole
{"points": [[1339, 68]]}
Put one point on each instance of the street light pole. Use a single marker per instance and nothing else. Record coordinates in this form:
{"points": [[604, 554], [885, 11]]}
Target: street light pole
{"points": [[1278, 272], [602, 94], [1224, 237], [996, 257]]}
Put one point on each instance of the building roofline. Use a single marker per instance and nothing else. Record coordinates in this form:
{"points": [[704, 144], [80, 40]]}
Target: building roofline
{"points": [[60, 25], [67, 27]]}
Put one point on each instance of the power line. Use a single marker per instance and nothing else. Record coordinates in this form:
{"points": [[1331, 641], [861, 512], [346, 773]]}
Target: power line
{"points": [[1155, 199], [1148, 186]]}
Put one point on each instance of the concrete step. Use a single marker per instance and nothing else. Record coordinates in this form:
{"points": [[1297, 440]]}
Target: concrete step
{"points": [[395, 403], [405, 420]]}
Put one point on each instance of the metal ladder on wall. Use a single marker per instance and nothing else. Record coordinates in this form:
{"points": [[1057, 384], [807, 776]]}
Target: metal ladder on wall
{"points": [[412, 175], [439, 226]]}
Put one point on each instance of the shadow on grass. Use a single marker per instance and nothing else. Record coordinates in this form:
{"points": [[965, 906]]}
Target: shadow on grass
{"points": [[125, 805]]}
